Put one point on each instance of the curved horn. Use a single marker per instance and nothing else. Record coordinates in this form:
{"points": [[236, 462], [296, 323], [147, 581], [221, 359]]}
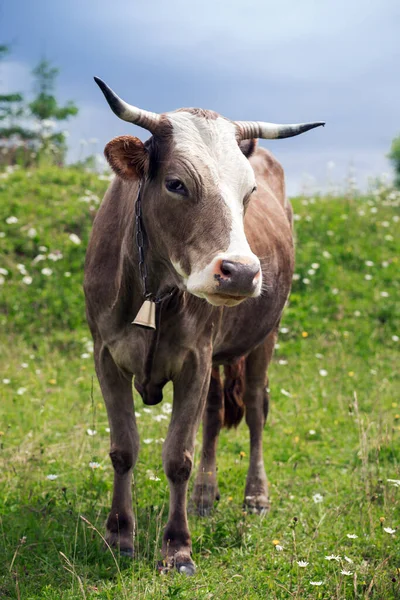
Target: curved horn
{"points": [[270, 131], [127, 112]]}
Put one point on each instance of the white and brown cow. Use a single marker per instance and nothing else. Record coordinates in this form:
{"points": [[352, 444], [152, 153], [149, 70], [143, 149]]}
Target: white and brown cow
{"points": [[215, 252]]}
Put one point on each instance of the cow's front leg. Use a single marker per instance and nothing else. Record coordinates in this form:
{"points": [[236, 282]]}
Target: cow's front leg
{"points": [[190, 392], [117, 394]]}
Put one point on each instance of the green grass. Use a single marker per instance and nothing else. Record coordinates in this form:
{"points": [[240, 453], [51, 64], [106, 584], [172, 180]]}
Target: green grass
{"points": [[332, 437]]}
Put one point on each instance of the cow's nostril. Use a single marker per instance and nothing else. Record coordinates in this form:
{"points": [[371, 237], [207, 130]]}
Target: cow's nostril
{"points": [[227, 268]]}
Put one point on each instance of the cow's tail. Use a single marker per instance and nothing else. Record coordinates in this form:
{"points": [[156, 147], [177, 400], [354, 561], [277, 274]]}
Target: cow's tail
{"points": [[233, 393]]}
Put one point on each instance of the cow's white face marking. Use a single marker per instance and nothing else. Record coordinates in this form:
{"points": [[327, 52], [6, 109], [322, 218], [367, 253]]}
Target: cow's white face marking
{"points": [[212, 143]]}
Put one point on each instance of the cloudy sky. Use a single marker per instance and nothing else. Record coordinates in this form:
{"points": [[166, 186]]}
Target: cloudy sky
{"points": [[284, 61]]}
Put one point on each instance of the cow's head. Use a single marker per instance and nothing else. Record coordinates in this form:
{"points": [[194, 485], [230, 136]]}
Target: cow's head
{"points": [[196, 184]]}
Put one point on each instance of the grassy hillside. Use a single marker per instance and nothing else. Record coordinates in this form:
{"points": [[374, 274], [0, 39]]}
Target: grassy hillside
{"points": [[332, 441]]}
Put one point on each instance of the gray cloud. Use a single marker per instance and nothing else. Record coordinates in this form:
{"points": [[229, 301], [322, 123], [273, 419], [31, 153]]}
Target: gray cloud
{"points": [[256, 60]]}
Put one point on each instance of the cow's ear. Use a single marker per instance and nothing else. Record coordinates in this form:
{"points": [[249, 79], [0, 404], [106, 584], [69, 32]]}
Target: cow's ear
{"points": [[248, 147], [127, 157]]}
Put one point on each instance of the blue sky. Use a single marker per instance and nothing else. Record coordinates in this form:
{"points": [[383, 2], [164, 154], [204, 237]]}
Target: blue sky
{"points": [[281, 61]]}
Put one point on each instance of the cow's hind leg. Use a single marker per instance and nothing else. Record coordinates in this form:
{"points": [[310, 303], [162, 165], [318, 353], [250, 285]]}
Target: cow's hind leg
{"points": [[117, 393], [256, 402], [205, 490]]}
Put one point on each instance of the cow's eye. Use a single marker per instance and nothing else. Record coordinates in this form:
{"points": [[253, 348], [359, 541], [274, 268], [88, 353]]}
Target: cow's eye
{"points": [[175, 186]]}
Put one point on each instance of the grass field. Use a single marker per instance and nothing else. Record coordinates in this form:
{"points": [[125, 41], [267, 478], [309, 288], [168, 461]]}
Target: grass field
{"points": [[332, 440]]}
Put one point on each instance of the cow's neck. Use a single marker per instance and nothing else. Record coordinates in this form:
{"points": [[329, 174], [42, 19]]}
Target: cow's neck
{"points": [[143, 273]]}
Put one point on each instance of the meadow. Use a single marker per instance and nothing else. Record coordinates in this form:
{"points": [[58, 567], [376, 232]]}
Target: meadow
{"points": [[332, 439]]}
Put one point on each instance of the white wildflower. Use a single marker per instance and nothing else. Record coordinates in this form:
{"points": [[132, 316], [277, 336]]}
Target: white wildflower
{"points": [[6, 381], [284, 330], [296, 276], [395, 338], [311, 271], [344, 572], [147, 410], [326, 254], [91, 432], [11, 220], [55, 256], [368, 277], [369, 263], [281, 361], [316, 582], [389, 530], [85, 355], [347, 559], [384, 294], [323, 372], [67, 274], [3, 271], [51, 477], [137, 414], [318, 355], [330, 233], [2, 234], [333, 557], [389, 238], [302, 563], [21, 391], [334, 291], [46, 271], [107, 430], [74, 239], [22, 269], [306, 280], [396, 482], [318, 498], [152, 476], [94, 465], [167, 408], [385, 223], [31, 232], [24, 365], [38, 258], [42, 248], [285, 393], [352, 536], [315, 265], [27, 280], [278, 548], [357, 313], [148, 441], [312, 432], [160, 418]]}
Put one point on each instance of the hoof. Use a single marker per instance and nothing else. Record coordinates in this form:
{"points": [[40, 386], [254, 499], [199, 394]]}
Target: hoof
{"points": [[185, 566], [257, 505], [187, 569], [128, 552]]}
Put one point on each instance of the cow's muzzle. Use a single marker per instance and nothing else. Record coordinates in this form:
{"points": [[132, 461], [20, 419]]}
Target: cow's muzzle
{"points": [[237, 278]]}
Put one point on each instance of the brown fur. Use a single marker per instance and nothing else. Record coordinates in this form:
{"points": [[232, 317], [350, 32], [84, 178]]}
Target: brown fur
{"points": [[193, 338]]}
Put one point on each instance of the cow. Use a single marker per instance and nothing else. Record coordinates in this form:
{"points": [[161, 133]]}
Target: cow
{"points": [[187, 272]]}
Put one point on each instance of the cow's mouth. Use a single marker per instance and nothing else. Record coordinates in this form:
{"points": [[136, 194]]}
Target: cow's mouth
{"points": [[224, 299]]}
